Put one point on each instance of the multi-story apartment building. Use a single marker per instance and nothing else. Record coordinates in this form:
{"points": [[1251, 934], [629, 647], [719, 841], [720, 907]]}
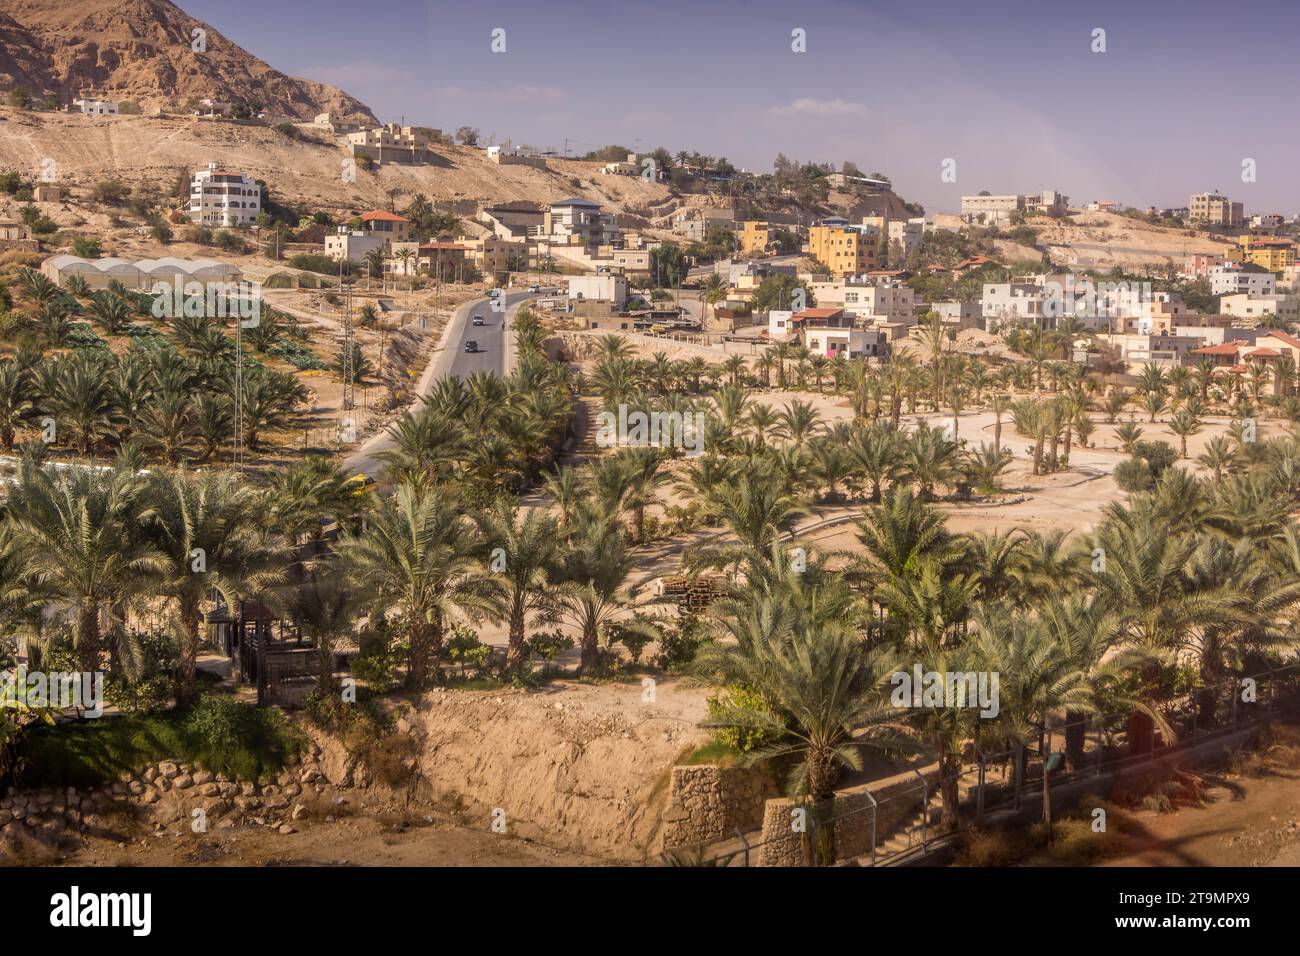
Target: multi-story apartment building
{"points": [[1230, 280], [611, 288], [1001, 210], [903, 236], [879, 300], [222, 197], [390, 143], [1014, 303], [695, 224], [1049, 202], [352, 245], [991, 210], [577, 221], [1267, 253], [844, 250], [755, 238], [1198, 266], [1215, 210], [1245, 306]]}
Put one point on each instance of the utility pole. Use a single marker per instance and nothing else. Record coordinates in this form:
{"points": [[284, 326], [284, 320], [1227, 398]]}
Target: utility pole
{"points": [[239, 393], [349, 390]]}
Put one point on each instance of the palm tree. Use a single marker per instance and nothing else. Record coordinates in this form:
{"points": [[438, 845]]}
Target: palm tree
{"points": [[1184, 423], [877, 452], [798, 422], [1153, 403], [756, 507], [76, 529], [931, 458], [112, 312], [206, 532], [1000, 405], [821, 703], [1219, 456], [522, 556], [84, 400], [325, 605], [596, 566], [16, 407], [1129, 433], [418, 556], [1145, 580]]}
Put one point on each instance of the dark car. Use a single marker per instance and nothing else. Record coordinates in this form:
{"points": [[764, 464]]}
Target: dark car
{"points": [[471, 346]]}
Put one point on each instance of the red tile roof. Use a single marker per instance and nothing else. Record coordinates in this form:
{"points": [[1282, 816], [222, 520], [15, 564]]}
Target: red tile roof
{"points": [[380, 215], [1281, 336], [1226, 348], [817, 314], [1263, 353]]}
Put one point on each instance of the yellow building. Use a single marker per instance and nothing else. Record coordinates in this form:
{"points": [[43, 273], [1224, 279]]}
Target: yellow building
{"points": [[843, 250], [754, 237], [1267, 252]]}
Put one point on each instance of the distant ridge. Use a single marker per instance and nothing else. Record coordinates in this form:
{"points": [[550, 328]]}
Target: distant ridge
{"points": [[141, 50]]}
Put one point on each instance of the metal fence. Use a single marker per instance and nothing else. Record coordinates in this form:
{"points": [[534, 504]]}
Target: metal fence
{"points": [[1216, 711]]}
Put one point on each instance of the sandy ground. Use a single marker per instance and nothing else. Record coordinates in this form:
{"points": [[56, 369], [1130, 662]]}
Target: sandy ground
{"points": [[397, 839]]}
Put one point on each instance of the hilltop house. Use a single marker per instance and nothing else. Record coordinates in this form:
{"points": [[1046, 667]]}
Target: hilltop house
{"points": [[93, 107], [223, 197]]}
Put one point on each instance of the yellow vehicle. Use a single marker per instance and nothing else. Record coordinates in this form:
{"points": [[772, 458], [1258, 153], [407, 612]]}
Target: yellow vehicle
{"points": [[363, 484]]}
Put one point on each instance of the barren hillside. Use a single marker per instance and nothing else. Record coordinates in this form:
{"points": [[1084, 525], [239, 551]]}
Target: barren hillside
{"points": [[155, 150], [1099, 240], [143, 50]]}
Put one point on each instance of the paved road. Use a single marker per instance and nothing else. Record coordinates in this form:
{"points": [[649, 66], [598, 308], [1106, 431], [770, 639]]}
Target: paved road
{"points": [[450, 358]]}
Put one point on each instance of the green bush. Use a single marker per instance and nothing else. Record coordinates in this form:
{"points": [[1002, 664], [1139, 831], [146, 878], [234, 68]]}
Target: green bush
{"points": [[220, 734], [740, 739]]}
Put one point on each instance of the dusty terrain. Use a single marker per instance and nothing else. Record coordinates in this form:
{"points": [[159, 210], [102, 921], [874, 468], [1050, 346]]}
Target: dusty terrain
{"points": [[1102, 240], [156, 150]]}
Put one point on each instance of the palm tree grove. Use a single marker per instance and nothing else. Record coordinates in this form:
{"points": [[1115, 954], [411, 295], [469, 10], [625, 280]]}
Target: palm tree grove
{"points": [[422, 494]]}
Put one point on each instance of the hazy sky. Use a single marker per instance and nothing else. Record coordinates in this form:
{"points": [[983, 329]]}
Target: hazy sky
{"points": [[1011, 90]]}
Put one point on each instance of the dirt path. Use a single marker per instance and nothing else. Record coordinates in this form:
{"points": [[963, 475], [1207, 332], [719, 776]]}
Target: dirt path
{"points": [[1255, 822]]}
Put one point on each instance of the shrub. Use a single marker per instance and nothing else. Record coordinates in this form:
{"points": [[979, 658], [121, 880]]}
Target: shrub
{"points": [[740, 739], [87, 247], [110, 192], [219, 734]]}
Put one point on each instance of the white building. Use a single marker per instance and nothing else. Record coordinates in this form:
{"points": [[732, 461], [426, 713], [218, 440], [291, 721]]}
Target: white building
{"points": [[353, 246], [1012, 303], [96, 107], [579, 221], [1246, 306], [882, 300], [1230, 280], [610, 288], [222, 197]]}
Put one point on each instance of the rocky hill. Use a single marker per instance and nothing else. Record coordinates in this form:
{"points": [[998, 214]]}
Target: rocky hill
{"points": [[142, 50]]}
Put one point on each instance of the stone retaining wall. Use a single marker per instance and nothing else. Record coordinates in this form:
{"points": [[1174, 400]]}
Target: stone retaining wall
{"points": [[167, 794], [708, 803], [899, 798]]}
